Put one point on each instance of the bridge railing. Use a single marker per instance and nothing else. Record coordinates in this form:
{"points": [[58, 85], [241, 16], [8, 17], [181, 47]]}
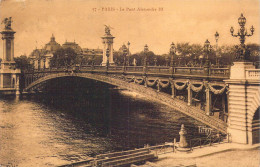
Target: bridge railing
{"points": [[188, 70], [220, 71], [223, 72], [253, 74], [134, 68], [158, 69]]}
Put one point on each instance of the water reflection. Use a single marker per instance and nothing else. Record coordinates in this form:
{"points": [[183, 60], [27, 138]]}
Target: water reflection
{"points": [[52, 129]]}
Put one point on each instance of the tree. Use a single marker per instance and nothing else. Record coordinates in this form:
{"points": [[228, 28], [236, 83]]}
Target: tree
{"points": [[64, 58], [23, 62]]}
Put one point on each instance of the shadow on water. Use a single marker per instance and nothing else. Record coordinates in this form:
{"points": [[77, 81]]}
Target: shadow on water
{"points": [[127, 122], [76, 118]]}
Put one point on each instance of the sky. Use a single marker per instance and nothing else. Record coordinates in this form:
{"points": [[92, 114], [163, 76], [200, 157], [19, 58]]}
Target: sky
{"points": [[166, 21]]}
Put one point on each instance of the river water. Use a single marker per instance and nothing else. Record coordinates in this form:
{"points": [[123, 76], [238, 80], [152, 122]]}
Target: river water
{"points": [[58, 128]]}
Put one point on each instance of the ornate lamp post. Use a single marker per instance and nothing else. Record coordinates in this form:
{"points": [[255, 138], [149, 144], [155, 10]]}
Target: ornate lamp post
{"points": [[217, 56], [124, 54], [242, 34], [172, 53], [207, 49], [146, 49], [128, 53]]}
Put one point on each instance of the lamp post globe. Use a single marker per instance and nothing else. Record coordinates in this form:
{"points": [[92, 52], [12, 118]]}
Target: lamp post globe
{"points": [[242, 20]]}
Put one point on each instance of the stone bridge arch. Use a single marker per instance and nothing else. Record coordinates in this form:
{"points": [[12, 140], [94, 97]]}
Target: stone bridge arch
{"points": [[123, 82]]}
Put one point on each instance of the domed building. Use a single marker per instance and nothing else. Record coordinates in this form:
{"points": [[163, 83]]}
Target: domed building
{"points": [[52, 46], [40, 58]]}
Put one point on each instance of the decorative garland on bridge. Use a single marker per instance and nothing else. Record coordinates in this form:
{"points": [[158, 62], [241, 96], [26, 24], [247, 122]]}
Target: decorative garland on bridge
{"points": [[139, 80], [129, 79], [216, 91], [164, 85], [195, 88], [152, 83], [180, 87]]}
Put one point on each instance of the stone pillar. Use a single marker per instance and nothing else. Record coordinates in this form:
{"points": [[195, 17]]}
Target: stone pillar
{"points": [[208, 101], [8, 48], [8, 70], [243, 101], [108, 44], [189, 94]]}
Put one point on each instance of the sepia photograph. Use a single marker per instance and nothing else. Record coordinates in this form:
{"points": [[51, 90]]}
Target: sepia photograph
{"points": [[129, 83]]}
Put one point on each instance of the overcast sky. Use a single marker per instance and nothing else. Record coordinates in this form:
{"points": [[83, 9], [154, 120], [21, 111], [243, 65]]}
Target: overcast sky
{"points": [[191, 21]]}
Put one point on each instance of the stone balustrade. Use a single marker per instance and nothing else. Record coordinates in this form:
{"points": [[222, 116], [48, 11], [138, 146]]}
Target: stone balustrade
{"points": [[252, 74]]}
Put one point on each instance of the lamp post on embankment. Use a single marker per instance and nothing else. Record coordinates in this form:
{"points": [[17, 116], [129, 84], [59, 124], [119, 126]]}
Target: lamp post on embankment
{"points": [[243, 97]]}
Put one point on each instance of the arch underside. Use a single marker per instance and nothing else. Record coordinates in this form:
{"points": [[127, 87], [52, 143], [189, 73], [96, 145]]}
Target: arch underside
{"points": [[161, 97]]}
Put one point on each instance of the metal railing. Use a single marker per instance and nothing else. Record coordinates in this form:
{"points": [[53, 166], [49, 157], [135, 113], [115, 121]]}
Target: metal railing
{"points": [[199, 71], [204, 141]]}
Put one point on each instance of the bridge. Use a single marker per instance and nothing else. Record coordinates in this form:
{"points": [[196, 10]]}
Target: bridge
{"points": [[217, 97], [186, 89]]}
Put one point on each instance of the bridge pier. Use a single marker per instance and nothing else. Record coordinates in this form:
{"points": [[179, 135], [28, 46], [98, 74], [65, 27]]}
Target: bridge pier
{"points": [[244, 102]]}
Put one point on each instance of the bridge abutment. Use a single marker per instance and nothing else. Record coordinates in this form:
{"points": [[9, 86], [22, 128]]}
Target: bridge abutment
{"points": [[243, 102]]}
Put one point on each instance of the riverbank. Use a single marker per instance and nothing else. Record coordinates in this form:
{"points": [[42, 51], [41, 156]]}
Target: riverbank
{"points": [[226, 154]]}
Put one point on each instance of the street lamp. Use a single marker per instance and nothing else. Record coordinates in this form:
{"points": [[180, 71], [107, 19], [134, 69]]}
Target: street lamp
{"points": [[242, 34], [128, 53], [124, 54], [207, 49], [172, 53], [217, 58], [146, 49]]}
